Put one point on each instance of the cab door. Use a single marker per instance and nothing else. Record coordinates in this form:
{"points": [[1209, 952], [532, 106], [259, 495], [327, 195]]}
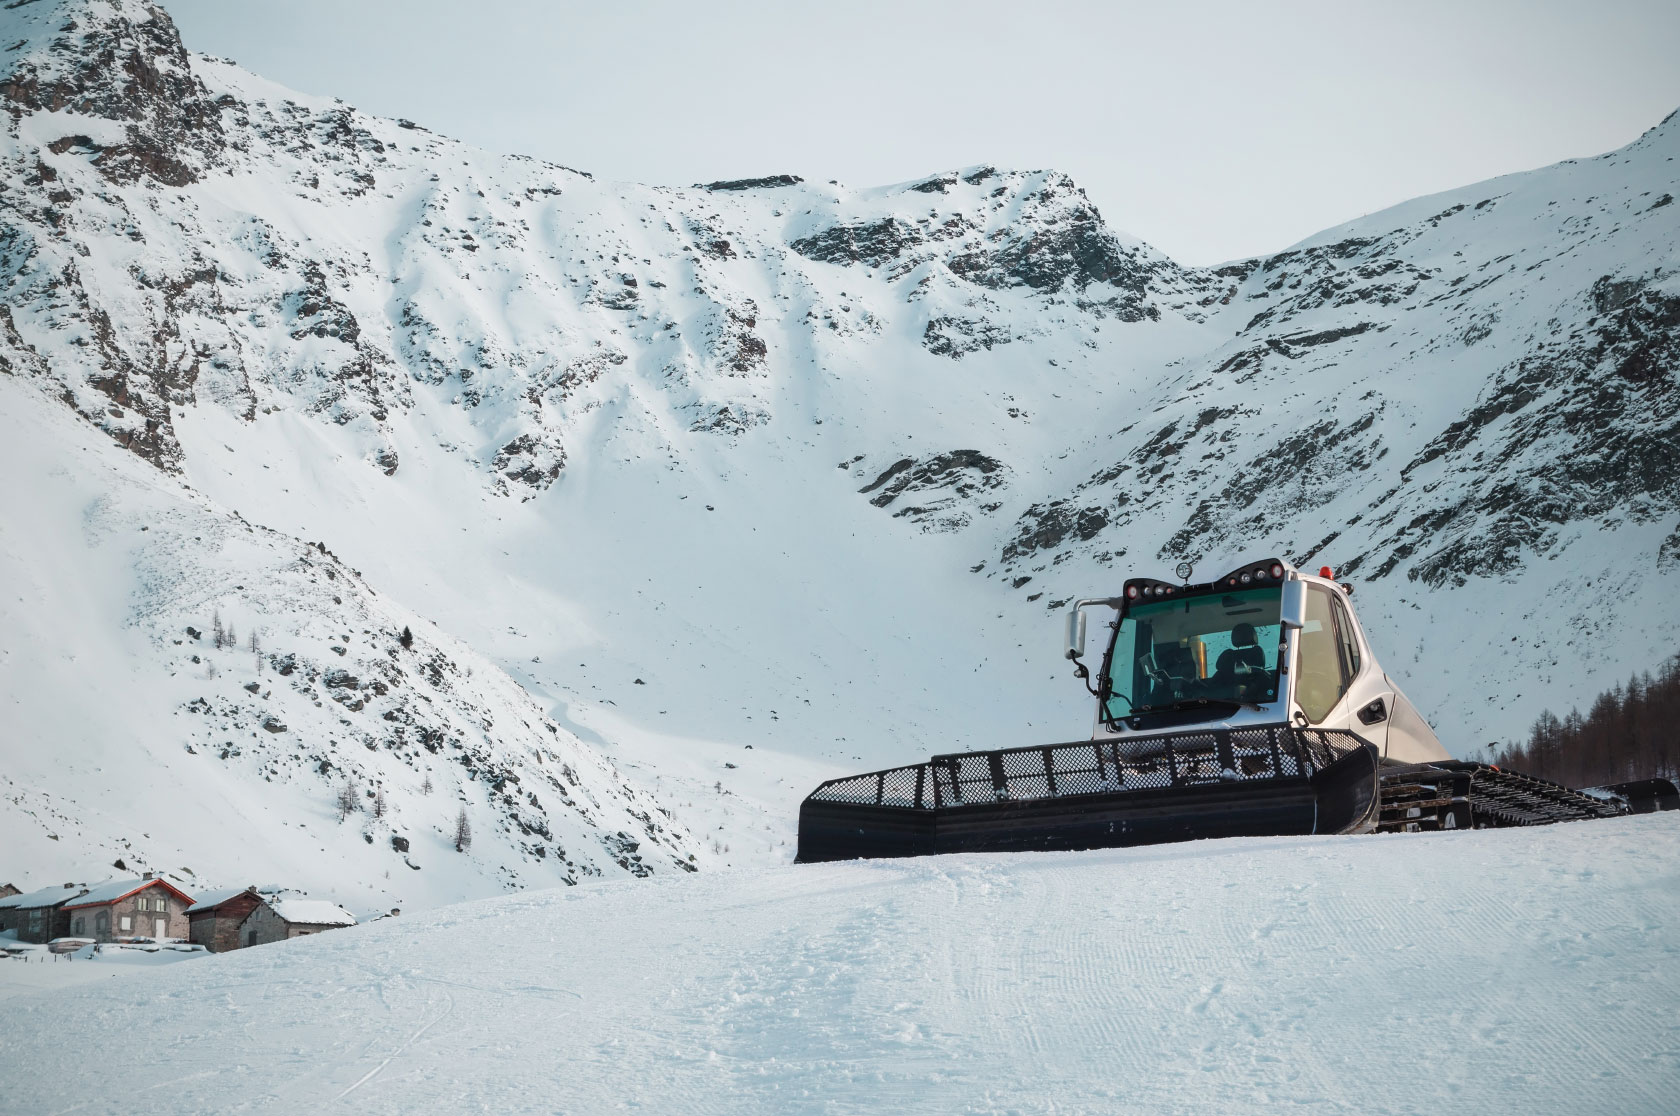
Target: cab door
{"points": [[1333, 690], [1369, 697]]}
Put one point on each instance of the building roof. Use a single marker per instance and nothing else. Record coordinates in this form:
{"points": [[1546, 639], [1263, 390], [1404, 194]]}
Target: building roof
{"points": [[312, 912], [112, 890], [214, 899], [46, 897]]}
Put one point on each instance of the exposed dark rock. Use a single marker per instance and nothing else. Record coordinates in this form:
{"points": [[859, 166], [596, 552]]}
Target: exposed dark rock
{"points": [[316, 313], [1325, 337], [873, 244], [530, 460], [938, 184], [624, 296], [1060, 242], [1046, 526], [766, 183], [728, 419], [1584, 432], [947, 488], [957, 337], [135, 72]]}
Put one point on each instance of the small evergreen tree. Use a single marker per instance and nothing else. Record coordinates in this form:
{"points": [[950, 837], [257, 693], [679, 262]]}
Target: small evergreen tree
{"points": [[217, 633], [463, 831], [426, 787], [379, 803], [406, 639]]}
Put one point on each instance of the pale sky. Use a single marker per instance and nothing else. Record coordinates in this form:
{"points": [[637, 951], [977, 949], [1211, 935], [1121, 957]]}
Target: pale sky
{"points": [[1212, 130]]}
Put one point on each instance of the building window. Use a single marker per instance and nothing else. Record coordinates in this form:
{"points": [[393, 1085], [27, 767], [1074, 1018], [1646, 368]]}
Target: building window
{"points": [[80, 923], [250, 937], [125, 922]]}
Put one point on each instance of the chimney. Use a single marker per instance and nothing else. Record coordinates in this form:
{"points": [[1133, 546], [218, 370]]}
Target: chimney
{"points": [[147, 876]]}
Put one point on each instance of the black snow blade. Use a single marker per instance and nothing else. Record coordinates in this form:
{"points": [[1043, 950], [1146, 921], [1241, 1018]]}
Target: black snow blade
{"points": [[1645, 796], [1273, 781]]}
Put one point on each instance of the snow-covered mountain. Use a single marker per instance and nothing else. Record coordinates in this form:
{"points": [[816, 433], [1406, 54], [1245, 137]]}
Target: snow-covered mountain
{"points": [[195, 693], [657, 476]]}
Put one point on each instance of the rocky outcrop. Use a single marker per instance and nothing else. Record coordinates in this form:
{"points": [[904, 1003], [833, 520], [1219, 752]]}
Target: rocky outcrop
{"points": [[769, 182], [957, 337], [943, 492], [872, 244], [121, 62]]}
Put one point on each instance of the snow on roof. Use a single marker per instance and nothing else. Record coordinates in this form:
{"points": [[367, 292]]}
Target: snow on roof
{"points": [[112, 890], [216, 899], [312, 912], [46, 897]]}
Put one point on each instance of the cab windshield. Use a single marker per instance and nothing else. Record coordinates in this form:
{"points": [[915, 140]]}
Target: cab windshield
{"points": [[1214, 650]]}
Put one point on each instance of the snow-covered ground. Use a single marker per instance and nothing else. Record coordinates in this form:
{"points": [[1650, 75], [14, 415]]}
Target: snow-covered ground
{"points": [[37, 969], [1476, 972]]}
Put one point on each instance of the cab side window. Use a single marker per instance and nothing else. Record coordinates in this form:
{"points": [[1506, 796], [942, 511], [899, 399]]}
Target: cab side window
{"points": [[1323, 675]]}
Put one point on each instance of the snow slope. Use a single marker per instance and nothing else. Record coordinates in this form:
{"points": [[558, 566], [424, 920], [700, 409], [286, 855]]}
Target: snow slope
{"points": [[746, 485], [1492, 971], [130, 736]]}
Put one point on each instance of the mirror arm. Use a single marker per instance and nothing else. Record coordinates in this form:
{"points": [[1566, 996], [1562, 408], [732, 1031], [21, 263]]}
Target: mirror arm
{"points": [[1083, 673]]}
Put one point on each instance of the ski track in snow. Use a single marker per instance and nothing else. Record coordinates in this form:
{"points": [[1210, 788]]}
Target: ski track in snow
{"points": [[1493, 971]]}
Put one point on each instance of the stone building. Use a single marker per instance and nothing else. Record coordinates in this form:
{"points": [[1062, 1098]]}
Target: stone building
{"points": [[147, 907], [276, 920], [39, 916], [7, 891], [213, 921]]}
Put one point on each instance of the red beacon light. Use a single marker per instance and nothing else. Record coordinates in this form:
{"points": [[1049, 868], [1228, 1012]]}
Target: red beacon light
{"points": [[1326, 573]]}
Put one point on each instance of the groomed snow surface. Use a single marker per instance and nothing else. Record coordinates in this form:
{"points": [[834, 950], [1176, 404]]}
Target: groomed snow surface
{"points": [[1514, 971]]}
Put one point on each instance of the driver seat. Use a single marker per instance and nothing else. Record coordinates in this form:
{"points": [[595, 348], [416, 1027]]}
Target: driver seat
{"points": [[1244, 653]]}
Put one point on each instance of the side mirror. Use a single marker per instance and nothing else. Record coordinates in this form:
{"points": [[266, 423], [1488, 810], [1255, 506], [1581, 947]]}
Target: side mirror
{"points": [[1294, 613], [1075, 632]]}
